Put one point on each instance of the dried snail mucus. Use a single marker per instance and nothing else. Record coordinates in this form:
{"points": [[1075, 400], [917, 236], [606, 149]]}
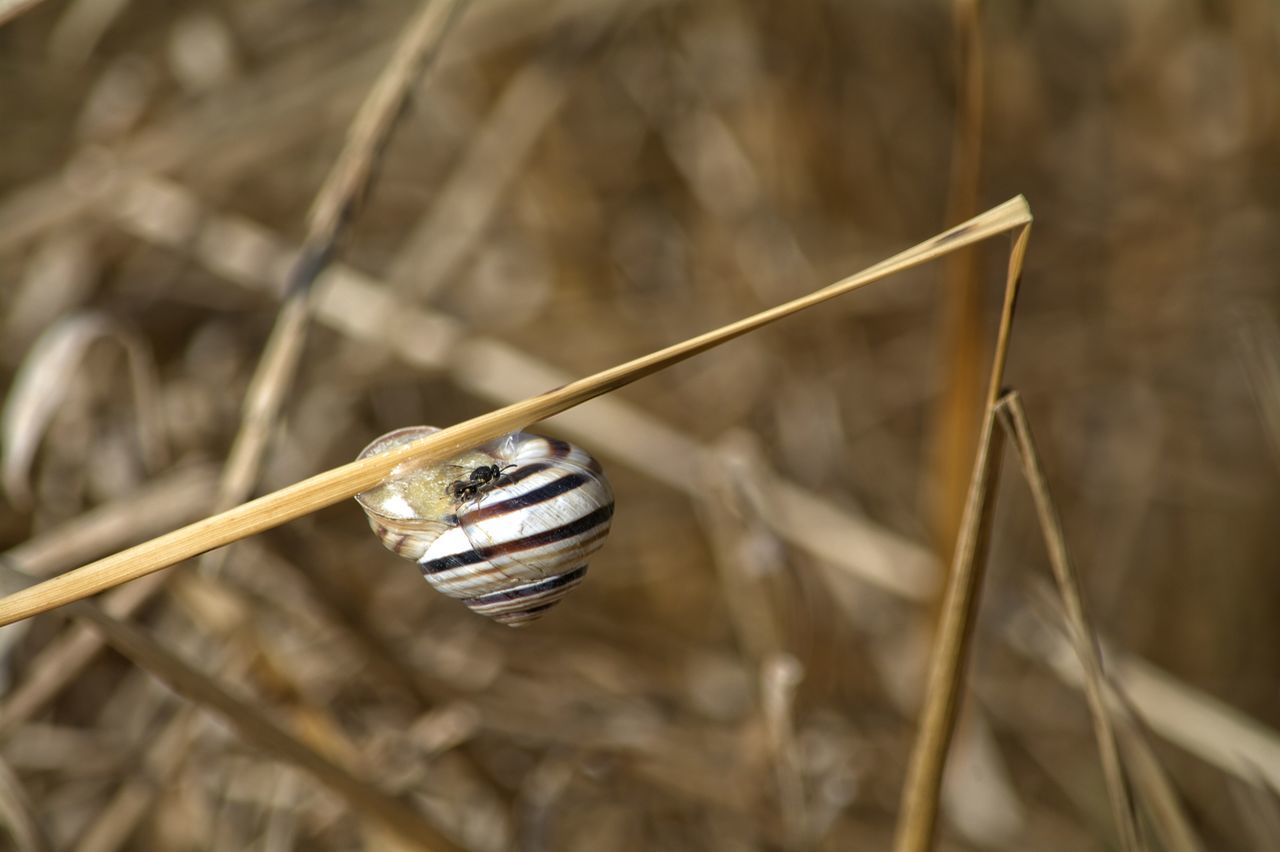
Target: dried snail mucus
{"points": [[507, 528]]}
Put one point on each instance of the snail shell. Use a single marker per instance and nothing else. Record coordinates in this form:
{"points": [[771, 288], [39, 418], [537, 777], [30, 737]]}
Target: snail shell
{"points": [[509, 549]]}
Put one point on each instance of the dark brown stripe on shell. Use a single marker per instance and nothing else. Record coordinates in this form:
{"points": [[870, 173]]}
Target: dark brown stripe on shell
{"points": [[522, 615], [599, 534], [450, 562], [560, 533], [529, 590], [551, 536], [559, 449], [538, 495]]}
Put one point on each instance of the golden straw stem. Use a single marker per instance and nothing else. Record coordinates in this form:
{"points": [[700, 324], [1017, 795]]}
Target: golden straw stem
{"points": [[331, 213], [331, 486], [948, 663], [1013, 417]]}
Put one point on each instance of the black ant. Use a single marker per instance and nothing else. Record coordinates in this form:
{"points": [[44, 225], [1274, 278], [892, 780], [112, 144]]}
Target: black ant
{"points": [[482, 479]]}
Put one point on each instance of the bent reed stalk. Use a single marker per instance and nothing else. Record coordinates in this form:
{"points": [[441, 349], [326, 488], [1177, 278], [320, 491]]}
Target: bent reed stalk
{"points": [[340, 483]]}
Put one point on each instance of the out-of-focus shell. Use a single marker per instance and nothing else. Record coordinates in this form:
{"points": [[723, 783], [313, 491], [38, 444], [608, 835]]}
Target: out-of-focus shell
{"points": [[510, 549]]}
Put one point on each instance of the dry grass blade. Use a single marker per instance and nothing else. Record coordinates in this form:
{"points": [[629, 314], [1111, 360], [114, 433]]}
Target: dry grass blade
{"points": [[339, 483], [446, 237], [333, 207], [958, 415], [1171, 825], [729, 520], [1013, 418], [331, 210], [358, 307], [918, 816], [10, 9], [167, 750], [948, 660], [258, 729], [17, 815], [1152, 787], [780, 675], [170, 500], [161, 503], [46, 375], [47, 203], [1259, 805], [234, 650], [1200, 723], [621, 177], [976, 812], [62, 661], [1258, 342]]}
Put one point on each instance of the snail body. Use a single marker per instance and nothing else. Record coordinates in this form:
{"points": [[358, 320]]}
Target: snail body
{"points": [[506, 528]]}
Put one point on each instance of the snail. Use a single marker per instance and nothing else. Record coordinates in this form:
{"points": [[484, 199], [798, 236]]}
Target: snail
{"points": [[506, 528]]}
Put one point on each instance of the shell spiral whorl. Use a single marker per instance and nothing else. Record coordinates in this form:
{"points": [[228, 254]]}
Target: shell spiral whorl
{"points": [[506, 528]]}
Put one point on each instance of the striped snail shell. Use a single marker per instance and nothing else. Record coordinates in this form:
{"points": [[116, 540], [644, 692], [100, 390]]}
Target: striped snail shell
{"points": [[506, 528]]}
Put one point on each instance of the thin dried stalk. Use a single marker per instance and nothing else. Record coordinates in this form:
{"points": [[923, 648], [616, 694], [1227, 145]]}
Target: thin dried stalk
{"points": [[45, 377], [258, 729], [358, 308], [61, 662], [340, 483], [495, 156], [1013, 418], [242, 113], [332, 210], [167, 500], [175, 498], [918, 817], [165, 753], [1259, 807], [1258, 341], [166, 750], [10, 9], [1170, 822], [948, 661], [729, 519], [233, 644], [17, 817], [957, 414], [728, 522], [957, 417], [1227, 735], [1200, 723], [850, 543], [780, 675]]}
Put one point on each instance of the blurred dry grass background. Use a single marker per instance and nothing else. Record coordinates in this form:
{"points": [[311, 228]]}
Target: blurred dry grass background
{"points": [[577, 183]]}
